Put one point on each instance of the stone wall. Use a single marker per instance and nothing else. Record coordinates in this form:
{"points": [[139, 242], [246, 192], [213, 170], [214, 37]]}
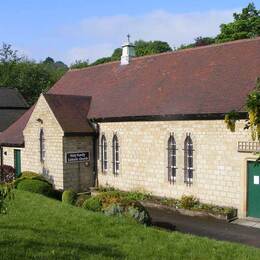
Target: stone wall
{"points": [[219, 175], [52, 167], [8, 155], [78, 176]]}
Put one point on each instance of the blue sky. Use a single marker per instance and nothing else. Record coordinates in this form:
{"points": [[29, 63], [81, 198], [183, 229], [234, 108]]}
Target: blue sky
{"points": [[80, 29]]}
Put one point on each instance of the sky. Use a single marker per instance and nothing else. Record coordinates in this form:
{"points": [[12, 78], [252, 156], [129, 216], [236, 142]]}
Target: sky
{"points": [[70, 30]]}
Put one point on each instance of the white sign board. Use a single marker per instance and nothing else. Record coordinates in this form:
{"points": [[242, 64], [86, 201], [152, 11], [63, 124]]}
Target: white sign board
{"points": [[76, 157], [256, 179]]}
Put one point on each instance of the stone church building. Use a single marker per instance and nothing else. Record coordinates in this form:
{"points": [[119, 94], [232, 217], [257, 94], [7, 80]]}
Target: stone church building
{"points": [[153, 123]]}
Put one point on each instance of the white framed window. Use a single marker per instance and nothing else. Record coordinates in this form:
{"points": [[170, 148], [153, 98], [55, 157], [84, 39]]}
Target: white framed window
{"points": [[188, 160], [172, 162], [115, 149], [104, 162], [42, 146]]}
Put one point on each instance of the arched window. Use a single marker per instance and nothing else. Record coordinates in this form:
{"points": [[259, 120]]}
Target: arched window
{"points": [[42, 146], [115, 149], [171, 159], [188, 160], [104, 153]]}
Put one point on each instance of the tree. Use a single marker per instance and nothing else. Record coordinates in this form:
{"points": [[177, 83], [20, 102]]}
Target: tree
{"points": [[152, 47], [101, 61], [245, 25], [142, 48], [49, 60], [117, 54], [79, 64], [29, 77]]}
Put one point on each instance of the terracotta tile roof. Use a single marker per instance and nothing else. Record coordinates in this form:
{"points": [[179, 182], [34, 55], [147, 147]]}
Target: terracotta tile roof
{"points": [[12, 106], [71, 112], [13, 135], [11, 98], [211, 79], [206, 80]]}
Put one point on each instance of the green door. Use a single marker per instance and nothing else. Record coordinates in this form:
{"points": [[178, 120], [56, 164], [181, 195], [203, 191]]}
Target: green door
{"points": [[17, 162], [253, 190]]}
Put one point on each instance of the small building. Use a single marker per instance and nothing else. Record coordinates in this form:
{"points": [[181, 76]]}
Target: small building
{"points": [[12, 106], [154, 123]]}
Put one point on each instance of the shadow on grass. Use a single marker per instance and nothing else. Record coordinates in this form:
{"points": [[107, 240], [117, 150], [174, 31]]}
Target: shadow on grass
{"points": [[42, 246]]}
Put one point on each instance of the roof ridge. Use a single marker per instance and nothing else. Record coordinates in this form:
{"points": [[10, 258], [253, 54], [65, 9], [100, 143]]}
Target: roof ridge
{"points": [[172, 52], [67, 95]]}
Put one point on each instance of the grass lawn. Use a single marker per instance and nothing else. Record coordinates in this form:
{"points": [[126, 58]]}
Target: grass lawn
{"points": [[37, 227]]}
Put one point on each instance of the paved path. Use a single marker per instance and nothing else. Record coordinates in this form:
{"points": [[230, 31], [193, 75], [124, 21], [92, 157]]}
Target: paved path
{"points": [[208, 227]]}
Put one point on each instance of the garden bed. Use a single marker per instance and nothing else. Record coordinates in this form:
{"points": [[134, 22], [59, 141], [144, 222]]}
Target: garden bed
{"points": [[187, 205]]}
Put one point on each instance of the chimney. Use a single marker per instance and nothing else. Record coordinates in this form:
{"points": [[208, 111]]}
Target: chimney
{"points": [[128, 51]]}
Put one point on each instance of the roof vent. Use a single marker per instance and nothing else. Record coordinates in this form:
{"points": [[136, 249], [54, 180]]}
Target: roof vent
{"points": [[128, 51]]}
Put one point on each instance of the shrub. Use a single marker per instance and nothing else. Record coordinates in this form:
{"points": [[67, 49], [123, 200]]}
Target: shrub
{"points": [[93, 203], [31, 176], [106, 188], [139, 213], [188, 202], [36, 186], [135, 195], [81, 199], [69, 197], [114, 210], [7, 174], [110, 197]]}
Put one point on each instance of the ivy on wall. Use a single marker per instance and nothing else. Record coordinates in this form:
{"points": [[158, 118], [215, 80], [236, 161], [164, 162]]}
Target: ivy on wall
{"points": [[252, 106]]}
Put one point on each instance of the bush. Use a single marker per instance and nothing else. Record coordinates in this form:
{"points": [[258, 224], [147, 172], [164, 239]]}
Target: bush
{"points": [[188, 202], [114, 210], [8, 174], [139, 213], [81, 199], [30, 176], [69, 197], [36, 186], [93, 203]]}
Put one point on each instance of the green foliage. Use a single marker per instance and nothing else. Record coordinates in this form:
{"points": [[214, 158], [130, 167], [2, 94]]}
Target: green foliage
{"points": [[113, 210], [245, 25], [31, 176], [29, 77], [139, 214], [116, 54], [198, 42], [188, 202], [42, 228], [253, 109], [93, 204], [142, 48], [101, 61], [69, 197], [230, 120], [79, 64], [151, 47], [36, 186], [6, 194], [252, 105], [81, 199]]}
